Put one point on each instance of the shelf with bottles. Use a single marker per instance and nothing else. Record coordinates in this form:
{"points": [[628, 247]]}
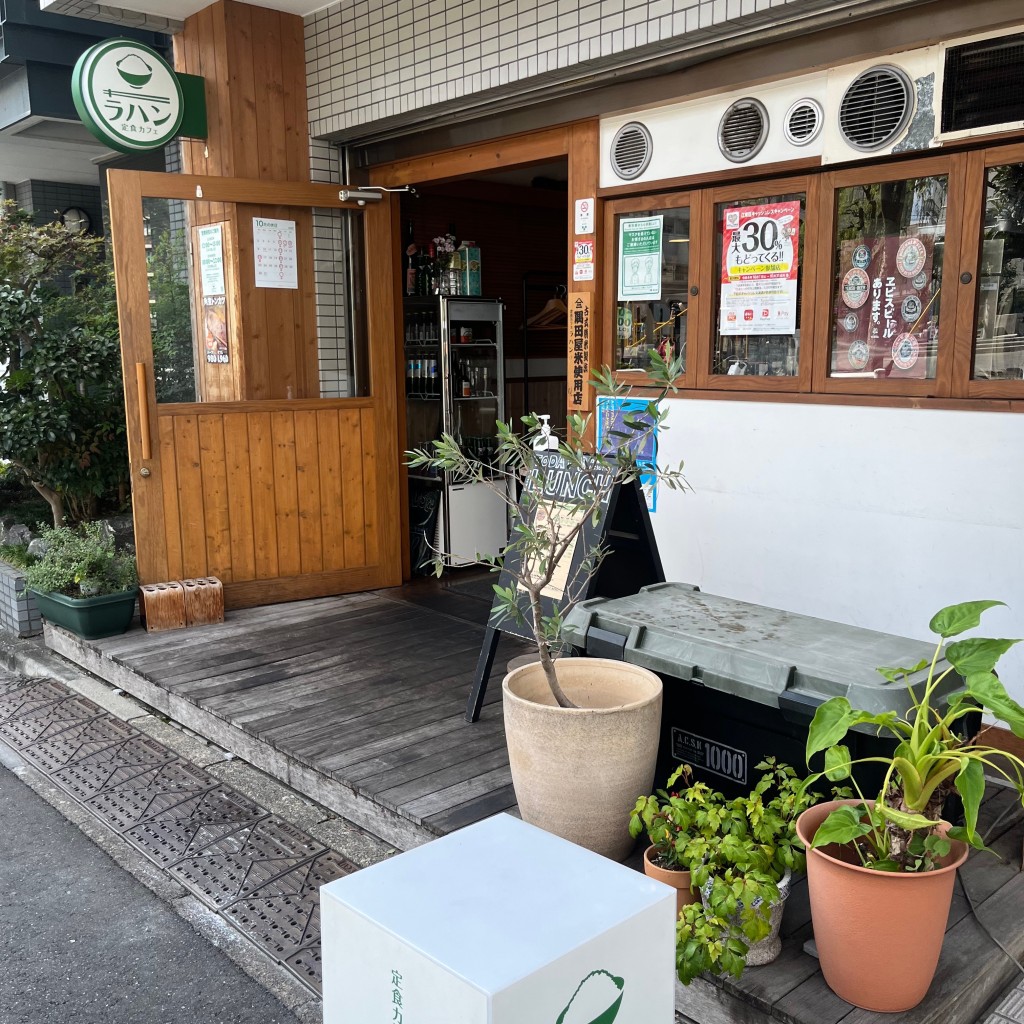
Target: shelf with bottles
{"points": [[422, 327]]}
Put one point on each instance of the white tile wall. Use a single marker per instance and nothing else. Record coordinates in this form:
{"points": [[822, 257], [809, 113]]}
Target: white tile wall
{"points": [[329, 273], [367, 60]]}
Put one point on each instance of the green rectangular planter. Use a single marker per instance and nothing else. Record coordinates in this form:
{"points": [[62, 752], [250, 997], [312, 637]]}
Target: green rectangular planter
{"points": [[92, 618]]}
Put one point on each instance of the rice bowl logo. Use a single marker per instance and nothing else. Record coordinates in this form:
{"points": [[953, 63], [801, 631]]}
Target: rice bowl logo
{"points": [[597, 1000], [127, 96]]}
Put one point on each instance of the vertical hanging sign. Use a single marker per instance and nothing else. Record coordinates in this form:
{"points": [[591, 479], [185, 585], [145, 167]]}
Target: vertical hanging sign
{"points": [[640, 258], [579, 346], [759, 269], [214, 293]]}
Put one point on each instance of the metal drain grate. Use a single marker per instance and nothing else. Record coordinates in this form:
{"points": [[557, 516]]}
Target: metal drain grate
{"points": [[189, 827], [78, 742], [246, 860], [46, 721], [113, 766], [149, 794], [261, 872], [284, 916]]}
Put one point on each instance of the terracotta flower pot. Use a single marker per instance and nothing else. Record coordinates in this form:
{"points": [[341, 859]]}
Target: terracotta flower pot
{"points": [[679, 880], [577, 771], [878, 933]]}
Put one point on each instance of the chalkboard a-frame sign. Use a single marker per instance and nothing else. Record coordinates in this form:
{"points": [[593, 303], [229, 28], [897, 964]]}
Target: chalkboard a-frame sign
{"points": [[622, 527]]}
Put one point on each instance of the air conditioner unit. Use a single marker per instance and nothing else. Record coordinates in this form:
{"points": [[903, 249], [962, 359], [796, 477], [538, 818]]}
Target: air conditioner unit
{"points": [[882, 106], [761, 125]]}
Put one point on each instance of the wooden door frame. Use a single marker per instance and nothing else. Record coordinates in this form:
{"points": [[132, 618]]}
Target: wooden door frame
{"points": [[579, 143], [127, 189]]}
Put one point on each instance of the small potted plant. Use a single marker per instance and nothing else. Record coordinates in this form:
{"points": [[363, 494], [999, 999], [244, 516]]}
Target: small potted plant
{"points": [[741, 854], [582, 733], [889, 862], [83, 583]]}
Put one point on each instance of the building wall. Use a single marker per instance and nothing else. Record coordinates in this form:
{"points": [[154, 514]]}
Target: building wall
{"points": [[370, 61], [876, 517]]}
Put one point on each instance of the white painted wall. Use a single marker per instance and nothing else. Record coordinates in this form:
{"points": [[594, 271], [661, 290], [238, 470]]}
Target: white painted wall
{"points": [[874, 517]]}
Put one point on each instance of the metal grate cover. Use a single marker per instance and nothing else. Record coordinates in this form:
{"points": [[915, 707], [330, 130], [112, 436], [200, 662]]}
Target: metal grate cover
{"points": [[983, 84], [261, 872], [803, 122], [245, 860], [876, 107], [631, 150], [743, 130]]}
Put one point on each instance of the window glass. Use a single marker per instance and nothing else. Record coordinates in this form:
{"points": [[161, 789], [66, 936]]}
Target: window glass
{"points": [[652, 305], [888, 278], [999, 349], [759, 260]]}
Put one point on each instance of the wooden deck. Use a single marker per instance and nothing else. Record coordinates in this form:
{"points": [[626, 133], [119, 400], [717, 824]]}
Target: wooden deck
{"points": [[355, 701], [358, 702]]}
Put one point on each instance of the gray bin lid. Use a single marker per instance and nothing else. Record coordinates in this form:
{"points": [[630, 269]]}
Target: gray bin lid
{"points": [[757, 653]]}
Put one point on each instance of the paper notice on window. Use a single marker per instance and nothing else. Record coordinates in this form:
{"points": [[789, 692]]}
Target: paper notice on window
{"points": [[274, 250], [759, 269], [211, 259], [640, 258]]}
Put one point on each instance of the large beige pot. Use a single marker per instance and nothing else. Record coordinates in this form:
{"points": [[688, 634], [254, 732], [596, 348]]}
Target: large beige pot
{"points": [[578, 771]]}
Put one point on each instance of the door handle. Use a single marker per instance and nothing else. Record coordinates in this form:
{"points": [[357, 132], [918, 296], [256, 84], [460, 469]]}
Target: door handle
{"points": [[143, 395]]}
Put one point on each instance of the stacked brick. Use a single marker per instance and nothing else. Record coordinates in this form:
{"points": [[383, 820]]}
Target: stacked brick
{"points": [[19, 613]]}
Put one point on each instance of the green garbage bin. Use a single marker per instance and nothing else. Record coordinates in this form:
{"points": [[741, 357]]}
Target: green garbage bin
{"points": [[743, 681]]}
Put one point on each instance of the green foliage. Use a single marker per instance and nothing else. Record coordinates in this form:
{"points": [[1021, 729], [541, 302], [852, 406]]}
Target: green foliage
{"points": [[82, 562], [61, 402], [737, 851], [551, 528], [171, 310], [16, 555], [899, 830]]}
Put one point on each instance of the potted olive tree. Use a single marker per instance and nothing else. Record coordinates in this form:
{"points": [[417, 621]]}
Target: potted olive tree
{"points": [[582, 733], [738, 853], [83, 583], [889, 862]]}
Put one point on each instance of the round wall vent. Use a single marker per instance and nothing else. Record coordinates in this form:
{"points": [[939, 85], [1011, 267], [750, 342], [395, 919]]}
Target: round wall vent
{"points": [[803, 122], [743, 130], [631, 150], [876, 107]]}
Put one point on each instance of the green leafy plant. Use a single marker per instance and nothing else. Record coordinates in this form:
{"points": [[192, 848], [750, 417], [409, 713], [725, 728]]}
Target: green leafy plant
{"points": [[900, 829], [61, 401], [81, 562], [737, 851], [16, 555], [550, 528]]}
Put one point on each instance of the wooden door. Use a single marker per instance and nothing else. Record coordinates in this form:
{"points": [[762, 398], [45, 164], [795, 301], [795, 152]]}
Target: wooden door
{"points": [[281, 498]]}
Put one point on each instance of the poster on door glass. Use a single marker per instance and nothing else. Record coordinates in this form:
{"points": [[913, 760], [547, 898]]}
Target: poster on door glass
{"points": [[883, 307], [640, 258], [760, 246]]}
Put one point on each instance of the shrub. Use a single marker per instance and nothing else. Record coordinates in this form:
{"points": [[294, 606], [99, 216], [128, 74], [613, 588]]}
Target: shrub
{"points": [[82, 562]]}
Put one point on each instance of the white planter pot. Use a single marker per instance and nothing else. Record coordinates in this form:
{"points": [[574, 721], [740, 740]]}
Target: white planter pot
{"points": [[577, 772], [768, 948]]}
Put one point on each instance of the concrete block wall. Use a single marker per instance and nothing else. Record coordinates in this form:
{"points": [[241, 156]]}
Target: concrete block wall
{"points": [[19, 613]]}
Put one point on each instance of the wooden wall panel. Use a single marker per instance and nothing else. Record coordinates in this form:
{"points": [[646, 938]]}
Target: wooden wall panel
{"points": [[256, 497]]}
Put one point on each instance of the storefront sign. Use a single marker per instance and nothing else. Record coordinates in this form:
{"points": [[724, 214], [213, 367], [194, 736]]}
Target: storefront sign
{"points": [[584, 216], [613, 431], [127, 96], [214, 293], [640, 258], [579, 346], [274, 248], [759, 269], [583, 260]]}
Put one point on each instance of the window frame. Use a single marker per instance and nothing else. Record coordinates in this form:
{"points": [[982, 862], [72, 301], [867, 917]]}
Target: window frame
{"points": [[939, 386], [977, 163], [615, 208], [708, 274]]}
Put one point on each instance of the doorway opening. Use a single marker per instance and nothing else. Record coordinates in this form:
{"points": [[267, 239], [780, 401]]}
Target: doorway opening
{"points": [[492, 346]]}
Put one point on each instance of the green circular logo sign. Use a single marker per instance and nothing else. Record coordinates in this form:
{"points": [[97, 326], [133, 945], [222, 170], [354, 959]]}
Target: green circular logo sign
{"points": [[127, 96]]}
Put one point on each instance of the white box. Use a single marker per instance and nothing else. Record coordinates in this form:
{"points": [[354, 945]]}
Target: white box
{"points": [[499, 923]]}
